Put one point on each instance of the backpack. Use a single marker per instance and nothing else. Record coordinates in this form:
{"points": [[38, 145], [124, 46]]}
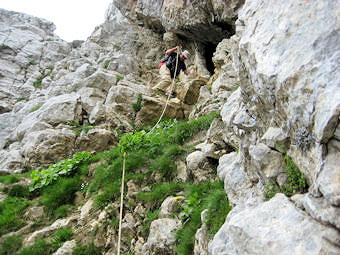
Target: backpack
{"points": [[163, 61]]}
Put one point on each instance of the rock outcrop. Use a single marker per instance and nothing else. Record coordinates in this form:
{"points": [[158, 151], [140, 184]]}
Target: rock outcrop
{"points": [[270, 68]]}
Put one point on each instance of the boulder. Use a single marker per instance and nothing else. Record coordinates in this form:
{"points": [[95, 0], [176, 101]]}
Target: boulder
{"points": [[67, 248], [34, 213], [61, 223], [267, 161], [198, 166], [42, 148], [96, 139], [169, 206], [257, 230], [162, 237]]}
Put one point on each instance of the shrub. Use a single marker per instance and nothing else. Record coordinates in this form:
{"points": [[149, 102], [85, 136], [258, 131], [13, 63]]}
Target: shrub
{"points": [[119, 77], [138, 105], [18, 191], [218, 209], [61, 212], [9, 179], [11, 245], [296, 182], [35, 108], [40, 247], [106, 64], [60, 193], [61, 236], [51, 174], [11, 211], [200, 197], [89, 249]]}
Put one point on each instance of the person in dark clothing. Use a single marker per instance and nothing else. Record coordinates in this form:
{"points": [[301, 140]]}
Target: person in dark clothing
{"points": [[167, 69]]}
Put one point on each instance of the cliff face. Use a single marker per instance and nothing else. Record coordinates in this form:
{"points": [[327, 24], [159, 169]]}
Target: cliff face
{"points": [[271, 68]]}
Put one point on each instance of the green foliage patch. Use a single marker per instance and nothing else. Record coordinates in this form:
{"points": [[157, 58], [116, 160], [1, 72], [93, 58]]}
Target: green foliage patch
{"points": [[60, 193], [107, 63], [11, 212], [77, 128], [18, 191], [89, 249], [296, 181], [46, 247], [44, 73], [52, 173], [10, 245], [138, 105], [9, 179], [35, 108]]}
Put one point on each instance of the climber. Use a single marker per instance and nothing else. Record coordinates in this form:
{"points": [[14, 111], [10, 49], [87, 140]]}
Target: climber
{"points": [[167, 70]]}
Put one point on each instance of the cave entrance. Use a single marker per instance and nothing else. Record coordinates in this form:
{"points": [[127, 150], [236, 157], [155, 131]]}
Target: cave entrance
{"points": [[209, 50]]}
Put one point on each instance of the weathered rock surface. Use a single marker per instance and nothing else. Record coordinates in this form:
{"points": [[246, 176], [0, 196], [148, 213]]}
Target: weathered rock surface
{"points": [[67, 248], [162, 239], [276, 226]]}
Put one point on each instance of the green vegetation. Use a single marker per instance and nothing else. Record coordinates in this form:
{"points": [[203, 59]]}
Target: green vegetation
{"points": [[138, 105], [44, 73], [77, 128], [9, 179], [107, 63], [150, 157], [155, 151], [46, 247], [296, 181], [18, 191], [89, 249], [52, 173], [60, 193], [11, 212], [35, 108], [10, 245], [208, 195], [119, 77]]}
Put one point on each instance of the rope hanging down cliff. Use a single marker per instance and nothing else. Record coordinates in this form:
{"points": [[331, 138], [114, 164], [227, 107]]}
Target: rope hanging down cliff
{"points": [[124, 158]]}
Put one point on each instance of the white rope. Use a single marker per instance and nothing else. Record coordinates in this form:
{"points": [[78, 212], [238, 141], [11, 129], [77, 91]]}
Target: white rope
{"points": [[121, 206], [168, 99], [124, 156]]}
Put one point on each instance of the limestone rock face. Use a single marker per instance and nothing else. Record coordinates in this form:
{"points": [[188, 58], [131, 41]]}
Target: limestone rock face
{"points": [[251, 231], [162, 237], [286, 103], [206, 21]]}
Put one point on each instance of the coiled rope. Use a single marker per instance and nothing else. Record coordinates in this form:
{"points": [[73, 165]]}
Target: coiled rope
{"points": [[124, 157]]}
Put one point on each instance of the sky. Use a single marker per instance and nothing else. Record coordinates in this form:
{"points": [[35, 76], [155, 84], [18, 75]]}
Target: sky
{"points": [[74, 19]]}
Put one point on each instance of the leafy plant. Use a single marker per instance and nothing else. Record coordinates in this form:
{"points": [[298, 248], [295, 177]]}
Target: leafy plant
{"points": [[52, 173], [10, 245], [11, 212], [296, 182], [44, 73], [44, 247], [119, 77], [106, 64], [77, 128], [89, 249], [138, 105], [18, 191], [9, 179], [35, 108], [60, 193]]}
